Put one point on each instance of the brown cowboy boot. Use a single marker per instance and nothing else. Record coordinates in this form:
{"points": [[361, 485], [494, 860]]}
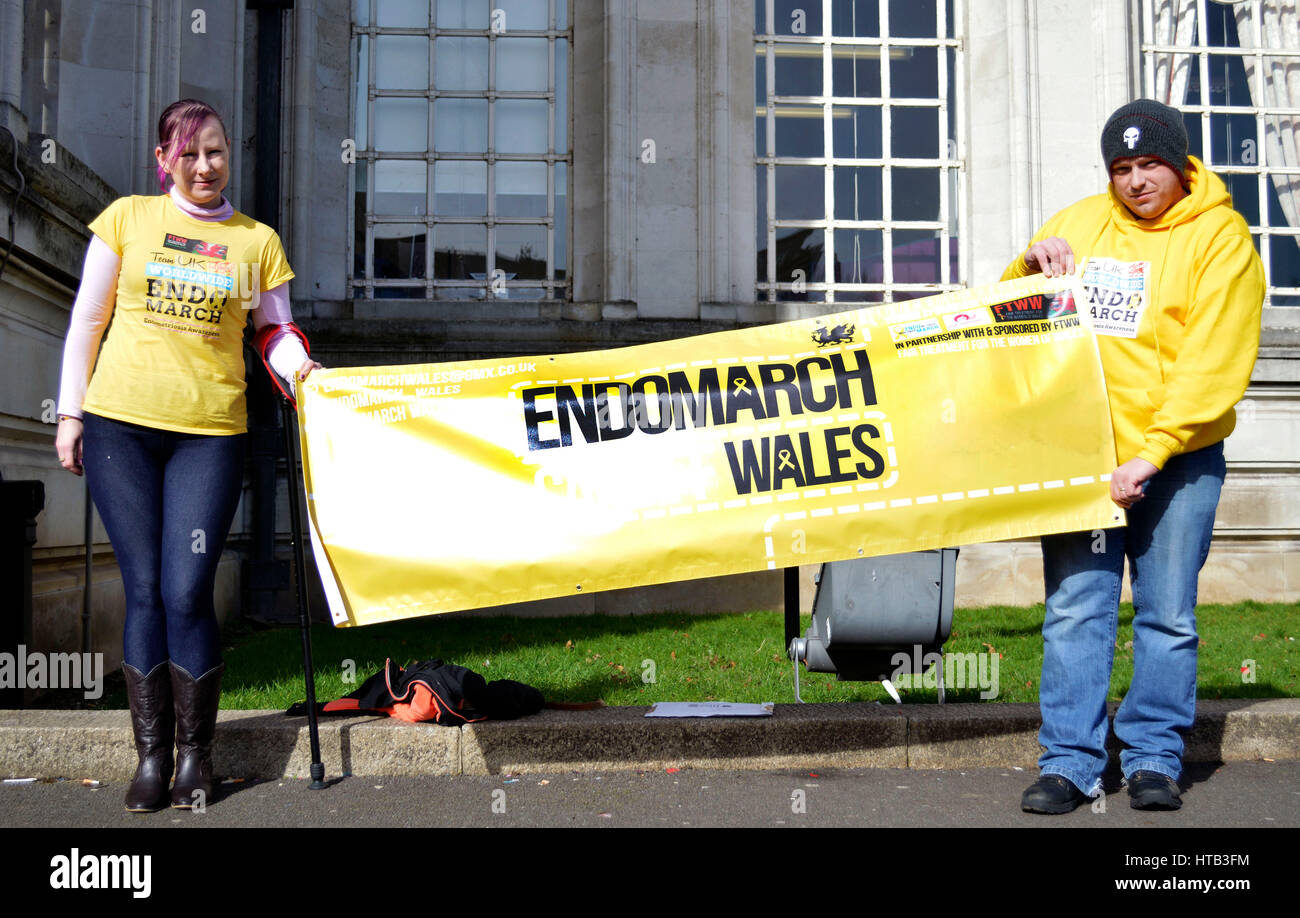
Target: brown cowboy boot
{"points": [[196, 724], [153, 724]]}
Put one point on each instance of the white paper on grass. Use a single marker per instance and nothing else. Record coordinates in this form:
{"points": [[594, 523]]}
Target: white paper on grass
{"points": [[710, 709]]}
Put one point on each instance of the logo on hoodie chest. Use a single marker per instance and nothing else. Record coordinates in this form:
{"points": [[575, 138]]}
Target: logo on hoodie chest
{"points": [[1115, 295]]}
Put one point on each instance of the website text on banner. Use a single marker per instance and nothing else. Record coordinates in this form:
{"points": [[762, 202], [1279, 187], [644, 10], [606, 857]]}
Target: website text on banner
{"points": [[973, 416]]}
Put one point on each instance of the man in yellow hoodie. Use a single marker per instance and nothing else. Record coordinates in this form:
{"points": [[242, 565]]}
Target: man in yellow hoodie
{"points": [[1174, 288]]}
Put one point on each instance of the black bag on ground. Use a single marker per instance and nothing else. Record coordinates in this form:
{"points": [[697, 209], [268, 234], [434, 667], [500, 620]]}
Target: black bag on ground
{"points": [[444, 693]]}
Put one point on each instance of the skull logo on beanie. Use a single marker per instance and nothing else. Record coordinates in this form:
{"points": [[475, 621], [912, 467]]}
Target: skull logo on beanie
{"points": [[1145, 128]]}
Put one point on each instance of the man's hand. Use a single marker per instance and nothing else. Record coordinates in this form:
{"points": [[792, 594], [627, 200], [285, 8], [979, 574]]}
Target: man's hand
{"points": [[1052, 256], [1128, 482]]}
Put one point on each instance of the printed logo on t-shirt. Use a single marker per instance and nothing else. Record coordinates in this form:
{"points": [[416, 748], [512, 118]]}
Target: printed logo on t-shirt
{"points": [[1115, 293], [194, 246], [188, 294]]}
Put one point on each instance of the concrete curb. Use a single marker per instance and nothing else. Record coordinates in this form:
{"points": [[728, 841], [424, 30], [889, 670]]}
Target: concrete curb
{"points": [[266, 744]]}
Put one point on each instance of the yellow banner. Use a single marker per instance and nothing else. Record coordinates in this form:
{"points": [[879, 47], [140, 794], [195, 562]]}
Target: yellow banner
{"points": [[974, 416]]}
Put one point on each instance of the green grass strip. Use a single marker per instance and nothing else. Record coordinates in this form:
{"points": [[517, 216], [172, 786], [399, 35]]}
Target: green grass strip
{"points": [[642, 659], [631, 660]]}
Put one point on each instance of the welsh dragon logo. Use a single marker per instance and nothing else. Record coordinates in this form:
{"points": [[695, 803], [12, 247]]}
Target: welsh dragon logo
{"points": [[840, 334]]}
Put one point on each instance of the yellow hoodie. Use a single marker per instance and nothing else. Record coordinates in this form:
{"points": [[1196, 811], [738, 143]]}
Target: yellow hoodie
{"points": [[1176, 303]]}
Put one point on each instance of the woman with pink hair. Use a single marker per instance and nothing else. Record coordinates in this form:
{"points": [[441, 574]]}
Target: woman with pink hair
{"points": [[158, 425]]}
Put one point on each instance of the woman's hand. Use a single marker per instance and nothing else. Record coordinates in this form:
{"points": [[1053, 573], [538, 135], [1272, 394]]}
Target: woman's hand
{"points": [[67, 443], [307, 366], [1128, 482]]}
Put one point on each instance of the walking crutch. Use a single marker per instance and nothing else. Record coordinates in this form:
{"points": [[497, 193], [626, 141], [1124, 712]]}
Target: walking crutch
{"points": [[288, 413]]}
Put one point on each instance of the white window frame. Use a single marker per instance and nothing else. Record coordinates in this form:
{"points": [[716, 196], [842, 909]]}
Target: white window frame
{"points": [[1200, 54], [363, 286], [951, 161]]}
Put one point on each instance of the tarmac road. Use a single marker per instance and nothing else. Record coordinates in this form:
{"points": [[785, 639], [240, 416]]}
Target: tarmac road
{"points": [[1233, 795]]}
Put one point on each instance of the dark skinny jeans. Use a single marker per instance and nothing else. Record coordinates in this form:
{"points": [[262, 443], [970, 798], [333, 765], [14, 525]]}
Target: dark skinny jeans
{"points": [[167, 500]]}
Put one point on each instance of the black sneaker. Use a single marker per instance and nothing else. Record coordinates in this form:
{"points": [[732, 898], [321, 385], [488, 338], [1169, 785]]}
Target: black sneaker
{"points": [[1052, 794], [1151, 790]]}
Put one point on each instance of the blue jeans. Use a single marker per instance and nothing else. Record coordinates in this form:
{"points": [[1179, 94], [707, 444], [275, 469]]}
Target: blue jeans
{"points": [[167, 500], [1166, 541]]}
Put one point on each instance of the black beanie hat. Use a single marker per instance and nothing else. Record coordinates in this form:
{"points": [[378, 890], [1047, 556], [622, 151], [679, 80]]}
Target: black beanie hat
{"points": [[1145, 128]]}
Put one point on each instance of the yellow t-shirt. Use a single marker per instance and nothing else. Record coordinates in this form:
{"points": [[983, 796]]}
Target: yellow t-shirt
{"points": [[173, 358]]}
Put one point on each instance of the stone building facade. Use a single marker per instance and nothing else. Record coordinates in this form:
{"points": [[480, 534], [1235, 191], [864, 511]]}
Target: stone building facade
{"points": [[457, 179]]}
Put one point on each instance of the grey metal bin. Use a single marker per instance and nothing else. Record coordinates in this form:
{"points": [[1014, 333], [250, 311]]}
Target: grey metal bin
{"points": [[868, 611]]}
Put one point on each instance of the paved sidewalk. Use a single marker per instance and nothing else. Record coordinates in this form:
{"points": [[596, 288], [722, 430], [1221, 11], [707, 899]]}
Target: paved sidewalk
{"points": [[263, 745]]}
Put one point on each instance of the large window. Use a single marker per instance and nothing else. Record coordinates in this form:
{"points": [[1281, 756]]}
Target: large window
{"points": [[461, 181], [1233, 68], [860, 160]]}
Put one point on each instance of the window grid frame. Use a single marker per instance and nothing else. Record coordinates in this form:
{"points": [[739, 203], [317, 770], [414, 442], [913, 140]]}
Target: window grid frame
{"points": [[554, 289], [1201, 53], [950, 162]]}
